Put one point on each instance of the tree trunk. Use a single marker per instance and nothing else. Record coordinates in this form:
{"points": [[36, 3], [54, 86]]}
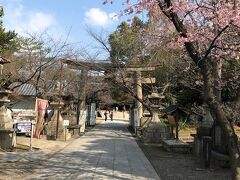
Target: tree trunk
{"points": [[210, 98], [217, 110], [217, 68]]}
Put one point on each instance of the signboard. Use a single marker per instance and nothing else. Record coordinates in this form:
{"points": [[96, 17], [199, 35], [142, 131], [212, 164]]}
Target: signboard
{"points": [[24, 127], [65, 122], [171, 120]]}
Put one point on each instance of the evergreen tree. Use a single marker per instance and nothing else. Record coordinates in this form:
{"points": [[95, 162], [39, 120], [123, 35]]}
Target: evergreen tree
{"points": [[8, 40]]}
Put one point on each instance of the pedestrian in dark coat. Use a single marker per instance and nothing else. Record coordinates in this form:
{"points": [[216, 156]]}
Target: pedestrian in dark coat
{"points": [[105, 114], [111, 115]]}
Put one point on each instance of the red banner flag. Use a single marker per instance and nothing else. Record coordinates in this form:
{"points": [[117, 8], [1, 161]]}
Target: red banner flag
{"points": [[40, 108]]}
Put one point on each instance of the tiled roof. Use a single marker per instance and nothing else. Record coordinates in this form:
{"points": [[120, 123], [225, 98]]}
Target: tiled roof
{"points": [[24, 90]]}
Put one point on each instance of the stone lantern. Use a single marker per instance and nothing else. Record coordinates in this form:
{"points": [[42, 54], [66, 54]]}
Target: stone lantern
{"points": [[154, 99], [6, 122], [156, 131], [56, 129], [56, 124]]}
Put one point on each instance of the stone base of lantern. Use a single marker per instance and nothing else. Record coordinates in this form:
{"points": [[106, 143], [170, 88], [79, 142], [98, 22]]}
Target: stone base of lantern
{"points": [[63, 133], [156, 133], [7, 135], [7, 139]]}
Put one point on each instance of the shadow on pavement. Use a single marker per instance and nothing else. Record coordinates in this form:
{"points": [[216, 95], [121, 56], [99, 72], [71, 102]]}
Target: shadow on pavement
{"points": [[107, 151]]}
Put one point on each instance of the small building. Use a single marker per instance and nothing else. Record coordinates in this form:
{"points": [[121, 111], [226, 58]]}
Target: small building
{"points": [[23, 97], [23, 101], [175, 114]]}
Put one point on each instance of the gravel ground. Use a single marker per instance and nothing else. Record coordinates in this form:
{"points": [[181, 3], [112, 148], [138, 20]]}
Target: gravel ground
{"points": [[178, 166]]}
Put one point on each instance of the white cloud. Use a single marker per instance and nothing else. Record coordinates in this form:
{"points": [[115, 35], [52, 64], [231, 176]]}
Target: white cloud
{"points": [[97, 17], [25, 21], [17, 12], [39, 22]]}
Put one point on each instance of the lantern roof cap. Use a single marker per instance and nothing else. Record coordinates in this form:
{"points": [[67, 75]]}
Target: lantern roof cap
{"points": [[155, 94], [4, 60]]}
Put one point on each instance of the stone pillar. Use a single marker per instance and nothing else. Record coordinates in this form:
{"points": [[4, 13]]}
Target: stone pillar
{"points": [[82, 107], [84, 75], [6, 122], [139, 94]]}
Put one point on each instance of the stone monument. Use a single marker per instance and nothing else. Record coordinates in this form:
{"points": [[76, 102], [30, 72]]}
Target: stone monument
{"points": [[156, 131]]}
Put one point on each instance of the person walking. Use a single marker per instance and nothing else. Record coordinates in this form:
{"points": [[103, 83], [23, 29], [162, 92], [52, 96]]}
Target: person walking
{"points": [[105, 114], [111, 115]]}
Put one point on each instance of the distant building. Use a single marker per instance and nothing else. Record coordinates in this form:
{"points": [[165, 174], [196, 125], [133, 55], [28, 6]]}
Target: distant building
{"points": [[23, 101]]}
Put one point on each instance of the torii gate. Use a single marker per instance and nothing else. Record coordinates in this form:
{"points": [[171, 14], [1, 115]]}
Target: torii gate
{"points": [[85, 67], [138, 84]]}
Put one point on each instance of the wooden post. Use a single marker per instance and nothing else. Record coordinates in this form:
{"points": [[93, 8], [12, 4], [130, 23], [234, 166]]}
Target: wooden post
{"points": [[177, 130], [177, 117], [31, 136], [172, 122]]}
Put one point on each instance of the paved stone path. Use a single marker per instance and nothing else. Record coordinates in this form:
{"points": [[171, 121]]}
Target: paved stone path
{"points": [[105, 152]]}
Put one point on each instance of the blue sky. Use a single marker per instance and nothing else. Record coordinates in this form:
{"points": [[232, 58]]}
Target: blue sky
{"points": [[58, 17]]}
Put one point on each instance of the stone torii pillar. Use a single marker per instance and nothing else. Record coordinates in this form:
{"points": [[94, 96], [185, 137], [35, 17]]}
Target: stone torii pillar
{"points": [[138, 84], [83, 82]]}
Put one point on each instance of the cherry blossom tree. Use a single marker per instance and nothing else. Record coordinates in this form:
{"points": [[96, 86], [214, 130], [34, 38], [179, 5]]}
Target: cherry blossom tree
{"points": [[207, 31]]}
